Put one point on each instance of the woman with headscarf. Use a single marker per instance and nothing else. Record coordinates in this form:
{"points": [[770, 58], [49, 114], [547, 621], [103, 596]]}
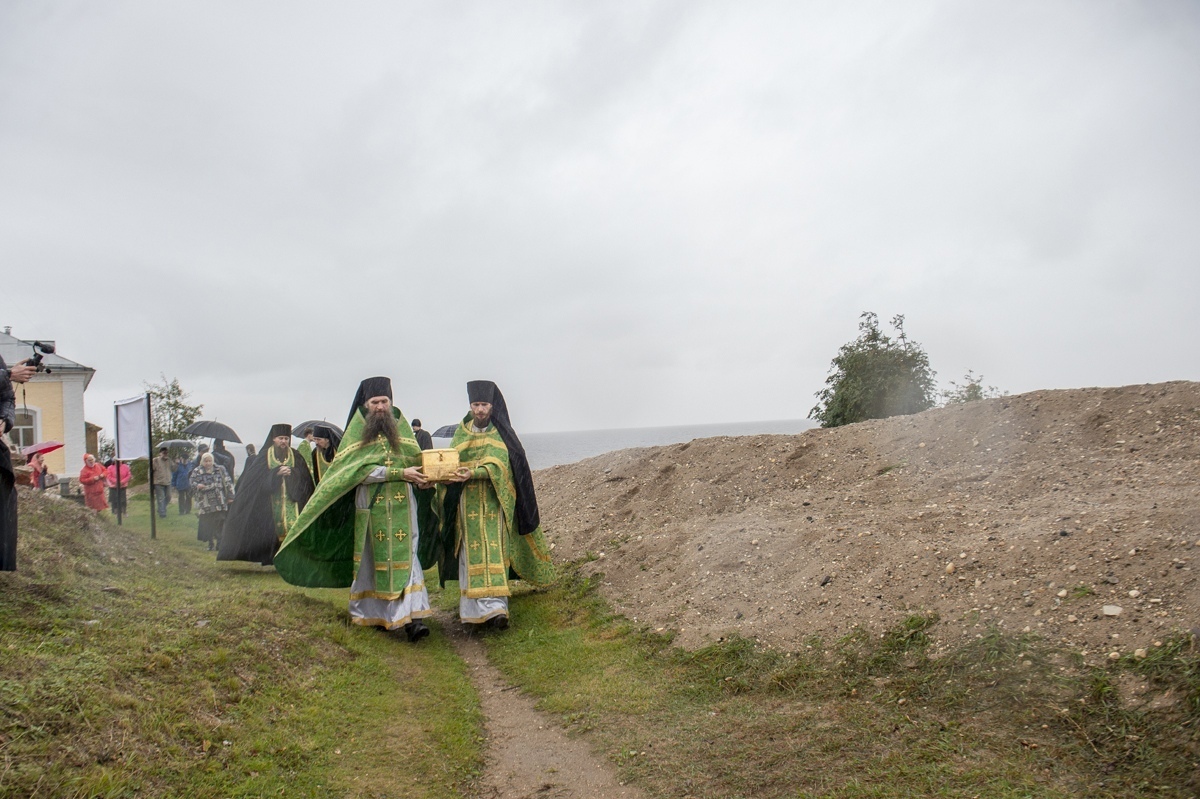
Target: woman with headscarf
{"points": [[38, 464], [212, 491], [91, 477]]}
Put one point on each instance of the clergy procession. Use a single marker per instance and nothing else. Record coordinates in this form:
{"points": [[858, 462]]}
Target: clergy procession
{"points": [[372, 508]]}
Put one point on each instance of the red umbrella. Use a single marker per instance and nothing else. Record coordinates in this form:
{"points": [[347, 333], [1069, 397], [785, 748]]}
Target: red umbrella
{"points": [[42, 447]]}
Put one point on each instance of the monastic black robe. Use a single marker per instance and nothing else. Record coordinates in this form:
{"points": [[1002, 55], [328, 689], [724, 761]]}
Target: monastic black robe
{"points": [[250, 530]]}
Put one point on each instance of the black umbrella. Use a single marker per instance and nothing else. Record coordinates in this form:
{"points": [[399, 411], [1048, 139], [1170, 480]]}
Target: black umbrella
{"points": [[445, 432], [298, 429], [175, 443], [209, 429]]}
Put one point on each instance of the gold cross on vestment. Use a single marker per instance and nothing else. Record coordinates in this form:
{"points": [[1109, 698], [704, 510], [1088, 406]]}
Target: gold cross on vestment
{"points": [[398, 496], [472, 515], [401, 535], [474, 545], [380, 535]]}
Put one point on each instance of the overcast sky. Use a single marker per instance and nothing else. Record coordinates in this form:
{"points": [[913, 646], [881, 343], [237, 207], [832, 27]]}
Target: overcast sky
{"points": [[626, 214]]}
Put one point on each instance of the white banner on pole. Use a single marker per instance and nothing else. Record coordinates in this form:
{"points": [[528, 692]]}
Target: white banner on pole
{"points": [[132, 436]]}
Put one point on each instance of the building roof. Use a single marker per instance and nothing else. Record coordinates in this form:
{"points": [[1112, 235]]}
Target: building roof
{"points": [[13, 349]]}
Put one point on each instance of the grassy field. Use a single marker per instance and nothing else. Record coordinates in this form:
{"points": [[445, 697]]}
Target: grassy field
{"points": [[132, 667], [1001, 717]]}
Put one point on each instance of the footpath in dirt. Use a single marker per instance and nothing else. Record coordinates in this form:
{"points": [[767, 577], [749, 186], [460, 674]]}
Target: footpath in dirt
{"points": [[1072, 514], [529, 755]]}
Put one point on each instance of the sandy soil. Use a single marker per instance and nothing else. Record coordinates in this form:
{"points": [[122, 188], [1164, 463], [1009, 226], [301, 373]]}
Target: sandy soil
{"points": [[1074, 514]]}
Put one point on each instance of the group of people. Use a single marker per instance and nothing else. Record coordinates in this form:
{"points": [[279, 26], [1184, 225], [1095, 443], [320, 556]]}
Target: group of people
{"points": [[352, 510], [356, 511], [95, 478], [168, 473]]}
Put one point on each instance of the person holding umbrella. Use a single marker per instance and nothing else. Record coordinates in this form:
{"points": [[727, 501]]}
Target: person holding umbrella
{"points": [[222, 456], [38, 464], [325, 442], [219, 433]]}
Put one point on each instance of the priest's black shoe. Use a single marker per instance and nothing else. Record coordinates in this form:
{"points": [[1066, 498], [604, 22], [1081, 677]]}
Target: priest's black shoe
{"points": [[416, 630], [498, 623]]}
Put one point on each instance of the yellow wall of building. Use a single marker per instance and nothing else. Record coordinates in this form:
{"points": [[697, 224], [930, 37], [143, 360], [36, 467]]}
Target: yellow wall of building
{"points": [[47, 397]]}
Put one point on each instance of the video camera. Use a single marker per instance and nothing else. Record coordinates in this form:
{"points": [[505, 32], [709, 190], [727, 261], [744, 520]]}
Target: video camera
{"points": [[40, 349]]}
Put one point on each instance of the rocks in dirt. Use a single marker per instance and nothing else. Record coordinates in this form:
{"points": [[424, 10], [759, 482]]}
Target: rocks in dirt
{"points": [[962, 525], [1112, 610]]}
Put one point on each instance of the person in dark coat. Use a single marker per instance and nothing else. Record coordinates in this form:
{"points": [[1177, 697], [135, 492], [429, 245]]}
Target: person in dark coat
{"points": [[222, 457], [19, 373], [273, 489], [424, 440], [325, 444]]}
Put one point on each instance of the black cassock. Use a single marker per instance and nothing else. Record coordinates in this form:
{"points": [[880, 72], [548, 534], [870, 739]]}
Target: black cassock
{"points": [[8, 488], [250, 532]]}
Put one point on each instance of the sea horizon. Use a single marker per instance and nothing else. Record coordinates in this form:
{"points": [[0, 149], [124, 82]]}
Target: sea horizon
{"points": [[569, 446]]}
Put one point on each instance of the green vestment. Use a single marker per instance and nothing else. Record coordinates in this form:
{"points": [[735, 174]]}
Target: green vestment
{"points": [[325, 545], [283, 510], [320, 464], [484, 519]]}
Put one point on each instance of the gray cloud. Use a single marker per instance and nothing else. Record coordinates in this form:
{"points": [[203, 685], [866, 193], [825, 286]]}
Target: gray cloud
{"points": [[625, 214]]}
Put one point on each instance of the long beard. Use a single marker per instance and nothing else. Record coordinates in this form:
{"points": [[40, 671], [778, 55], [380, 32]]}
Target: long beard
{"points": [[381, 424]]}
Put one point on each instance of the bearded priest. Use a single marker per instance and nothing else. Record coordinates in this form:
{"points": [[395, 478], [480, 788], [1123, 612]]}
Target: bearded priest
{"points": [[272, 491], [369, 524]]}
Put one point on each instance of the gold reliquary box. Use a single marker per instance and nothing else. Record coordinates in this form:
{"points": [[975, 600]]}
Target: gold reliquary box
{"points": [[438, 465]]}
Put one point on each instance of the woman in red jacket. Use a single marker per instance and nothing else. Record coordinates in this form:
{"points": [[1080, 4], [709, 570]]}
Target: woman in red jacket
{"points": [[91, 477], [116, 494]]}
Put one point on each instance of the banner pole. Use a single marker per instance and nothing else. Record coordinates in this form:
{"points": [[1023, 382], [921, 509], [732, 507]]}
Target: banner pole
{"points": [[117, 462], [153, 488]]}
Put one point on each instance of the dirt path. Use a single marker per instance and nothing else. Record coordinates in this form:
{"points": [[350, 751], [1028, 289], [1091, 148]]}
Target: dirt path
{"points": [[528, 754]]}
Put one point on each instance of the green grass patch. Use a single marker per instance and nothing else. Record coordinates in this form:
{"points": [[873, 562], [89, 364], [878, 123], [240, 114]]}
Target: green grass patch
{"points": [[133, 667], [867, 716]]}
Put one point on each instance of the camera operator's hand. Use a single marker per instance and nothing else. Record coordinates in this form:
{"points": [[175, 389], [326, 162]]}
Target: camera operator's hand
{"points": [[22, 371]]}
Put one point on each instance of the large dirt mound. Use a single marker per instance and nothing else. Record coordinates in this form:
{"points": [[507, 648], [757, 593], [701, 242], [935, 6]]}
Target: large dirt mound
{"points": [[1074, 514]]}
